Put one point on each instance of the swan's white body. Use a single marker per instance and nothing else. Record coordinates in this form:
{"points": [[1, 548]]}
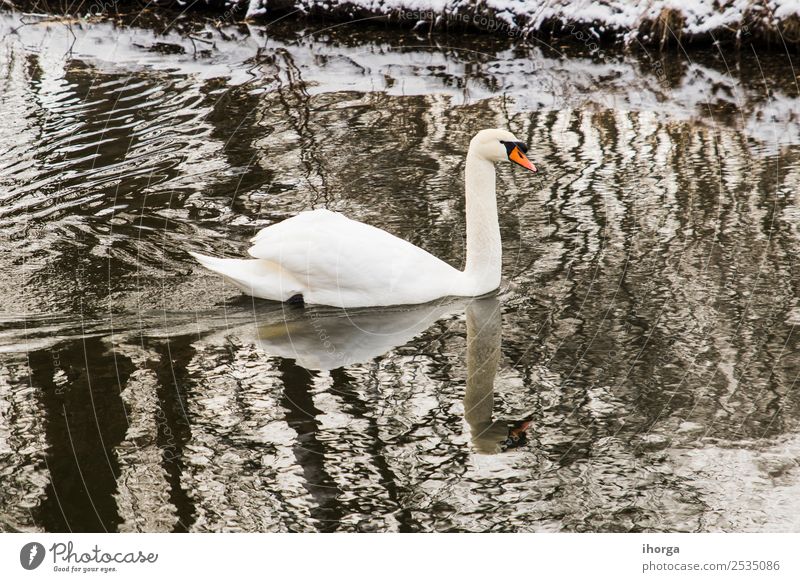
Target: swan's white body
{"points": [[332, 260]]}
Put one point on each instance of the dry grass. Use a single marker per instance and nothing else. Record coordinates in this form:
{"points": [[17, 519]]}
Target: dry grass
{"points": [[790, 29], [665, 29]]}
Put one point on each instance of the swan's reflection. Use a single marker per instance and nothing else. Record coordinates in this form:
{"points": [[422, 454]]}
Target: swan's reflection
{"points": [[326, 339], [484, 332]]}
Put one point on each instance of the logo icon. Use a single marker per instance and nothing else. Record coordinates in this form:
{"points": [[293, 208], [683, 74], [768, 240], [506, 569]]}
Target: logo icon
{"points": [[31, 555]]}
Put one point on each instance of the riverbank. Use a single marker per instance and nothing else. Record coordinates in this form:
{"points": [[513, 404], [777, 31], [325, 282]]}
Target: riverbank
{"points": [[763, 23], [659, 22]]}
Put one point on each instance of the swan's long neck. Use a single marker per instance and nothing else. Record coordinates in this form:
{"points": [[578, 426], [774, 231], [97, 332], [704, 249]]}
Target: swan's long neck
{"points": [[484, 249]]}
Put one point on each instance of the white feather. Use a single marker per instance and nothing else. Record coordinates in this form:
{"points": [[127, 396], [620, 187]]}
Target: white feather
{"points": [[332, 260]]}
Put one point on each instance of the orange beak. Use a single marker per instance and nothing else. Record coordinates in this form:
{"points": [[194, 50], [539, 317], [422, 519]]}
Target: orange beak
{"points": [[518, 157]]}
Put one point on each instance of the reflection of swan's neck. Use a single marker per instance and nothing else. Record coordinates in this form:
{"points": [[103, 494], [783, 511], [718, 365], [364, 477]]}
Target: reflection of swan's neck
{"points": [[483, 356], [484, 250]]}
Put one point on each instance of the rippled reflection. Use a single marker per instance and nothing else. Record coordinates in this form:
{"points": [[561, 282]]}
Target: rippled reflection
{"points": [[638, 368], [483, 357], [326, 339]]}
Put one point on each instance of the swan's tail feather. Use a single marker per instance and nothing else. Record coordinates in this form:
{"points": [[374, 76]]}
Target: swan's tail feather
{"points": [[255, 277]]}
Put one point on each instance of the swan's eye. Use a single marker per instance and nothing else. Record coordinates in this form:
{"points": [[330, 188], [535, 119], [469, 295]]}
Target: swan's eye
{"points": [[510, 145]]}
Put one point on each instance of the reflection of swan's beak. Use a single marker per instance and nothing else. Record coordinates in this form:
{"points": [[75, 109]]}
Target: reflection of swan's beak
{"points": [[517, 436], [519, 427], [517, 156]]}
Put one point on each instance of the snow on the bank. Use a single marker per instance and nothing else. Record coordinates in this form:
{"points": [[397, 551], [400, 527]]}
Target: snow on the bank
{"points": [[785, 8], [255, 8], [622, 18]]}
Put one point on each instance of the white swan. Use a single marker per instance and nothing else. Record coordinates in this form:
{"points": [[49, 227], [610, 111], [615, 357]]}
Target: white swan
{"points": [[322, 257]]}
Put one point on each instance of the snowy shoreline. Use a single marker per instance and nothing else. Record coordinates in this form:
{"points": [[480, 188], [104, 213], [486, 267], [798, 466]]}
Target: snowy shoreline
{"points": [[661, 22], [774, 23]]}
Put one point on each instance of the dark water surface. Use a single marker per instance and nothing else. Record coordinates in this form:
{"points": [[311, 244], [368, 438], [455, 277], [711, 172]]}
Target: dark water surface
{"points": [[638, 369]]}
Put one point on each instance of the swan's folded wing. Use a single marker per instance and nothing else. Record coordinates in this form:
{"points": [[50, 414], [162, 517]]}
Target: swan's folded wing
{"points": [[326, 250], [312, 219]]}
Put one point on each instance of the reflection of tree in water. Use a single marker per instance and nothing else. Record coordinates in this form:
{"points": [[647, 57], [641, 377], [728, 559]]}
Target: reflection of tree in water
{"points": [[308, 449], [80, 389]]}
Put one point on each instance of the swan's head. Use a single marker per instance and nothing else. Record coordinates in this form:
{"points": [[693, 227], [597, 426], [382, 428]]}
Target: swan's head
{"points": [[498, 145]]}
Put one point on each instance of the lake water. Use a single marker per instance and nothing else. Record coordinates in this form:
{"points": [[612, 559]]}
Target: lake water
{"points": [[637, 371]]}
